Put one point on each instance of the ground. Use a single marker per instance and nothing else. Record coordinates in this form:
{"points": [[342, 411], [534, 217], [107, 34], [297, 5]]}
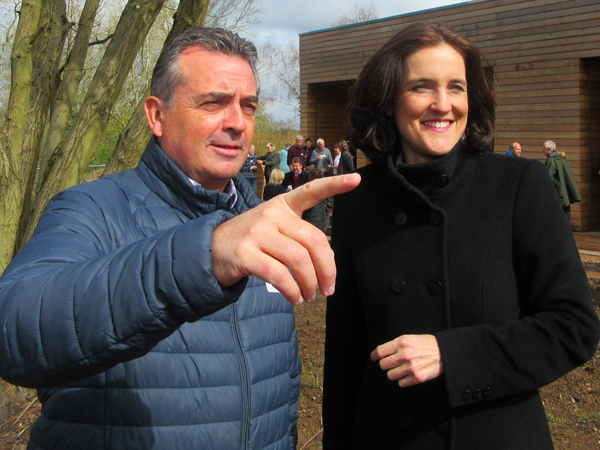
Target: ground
{"points": [[572, 403]]}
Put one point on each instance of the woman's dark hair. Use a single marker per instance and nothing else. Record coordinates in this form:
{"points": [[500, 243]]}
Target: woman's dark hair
{"points": [[376, 92]]}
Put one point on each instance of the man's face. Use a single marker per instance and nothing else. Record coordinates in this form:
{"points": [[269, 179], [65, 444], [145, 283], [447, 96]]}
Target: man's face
{"points": [[299, 141], [208, 129], [308, 143], [517, 149], [320, 145], [296, 167], [547, 151]]}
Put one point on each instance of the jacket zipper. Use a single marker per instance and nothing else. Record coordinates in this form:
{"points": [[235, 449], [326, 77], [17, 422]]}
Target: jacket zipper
{"points": [[244, 385]]}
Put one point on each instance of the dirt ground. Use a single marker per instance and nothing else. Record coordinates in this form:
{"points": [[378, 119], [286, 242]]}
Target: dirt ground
{"points": [[572, 403]]}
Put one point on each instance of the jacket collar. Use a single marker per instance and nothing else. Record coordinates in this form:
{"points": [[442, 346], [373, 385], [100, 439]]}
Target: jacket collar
{"points": [[173, 186], [429, 179]]}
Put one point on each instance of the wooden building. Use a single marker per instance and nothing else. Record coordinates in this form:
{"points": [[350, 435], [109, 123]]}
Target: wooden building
{"points": [[545, 56]]}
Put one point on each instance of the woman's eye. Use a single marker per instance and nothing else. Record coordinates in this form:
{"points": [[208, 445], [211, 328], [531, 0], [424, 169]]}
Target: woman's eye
{"points": [[420, 88], [458, 88]]}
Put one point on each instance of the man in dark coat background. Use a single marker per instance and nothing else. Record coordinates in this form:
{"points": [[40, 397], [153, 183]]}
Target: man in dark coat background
{"points": [[297, 177], [563, 178]]}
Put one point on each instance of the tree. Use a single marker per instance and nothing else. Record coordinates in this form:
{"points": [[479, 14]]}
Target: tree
{"points": [[282, 61], [46, 73], [359, 13]]}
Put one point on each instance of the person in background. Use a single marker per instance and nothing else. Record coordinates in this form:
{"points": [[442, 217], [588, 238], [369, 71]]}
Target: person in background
{"points": [[317, 215], [297, 177], [283, 165], [309, 147], [337, 153], [152, 309], [297, 151], [270, 161], [346, 164], [249, 168], [460, 290], [321, 157], [563, 178], [514, 149], [274, 187]]}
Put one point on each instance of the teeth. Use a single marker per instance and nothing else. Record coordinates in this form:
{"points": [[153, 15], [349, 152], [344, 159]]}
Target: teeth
{"points": [[437, 124]]}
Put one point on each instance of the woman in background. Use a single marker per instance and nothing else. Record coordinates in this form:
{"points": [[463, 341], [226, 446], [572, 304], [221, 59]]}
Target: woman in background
{"points": [[274, 188], [460, 290]]}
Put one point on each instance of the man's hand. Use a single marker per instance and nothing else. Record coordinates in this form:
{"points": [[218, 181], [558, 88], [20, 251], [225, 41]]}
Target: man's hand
{"points": [[272, 237], [411, 359]]}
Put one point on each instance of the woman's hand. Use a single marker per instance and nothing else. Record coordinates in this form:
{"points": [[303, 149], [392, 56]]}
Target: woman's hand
{"points": [[411, 359]]}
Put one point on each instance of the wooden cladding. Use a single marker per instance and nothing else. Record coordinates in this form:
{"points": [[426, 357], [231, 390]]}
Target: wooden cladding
{"points": [[545, 57]]}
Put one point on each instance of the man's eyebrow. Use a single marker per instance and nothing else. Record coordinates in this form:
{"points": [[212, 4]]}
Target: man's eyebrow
{"points": [[200, 98]]}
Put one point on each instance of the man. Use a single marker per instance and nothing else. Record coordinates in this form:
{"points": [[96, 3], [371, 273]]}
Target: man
{"points": [[138, 308], [283, 164], [297, 151], [514, 149], [297, 177], [309, 150], [249, 167], [563, 178], [270, 161], [321, 157]]}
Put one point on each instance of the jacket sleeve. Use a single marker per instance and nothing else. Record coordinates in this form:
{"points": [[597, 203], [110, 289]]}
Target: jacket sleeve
{"points": [[74, 303], [558, 328], [346, 341]]}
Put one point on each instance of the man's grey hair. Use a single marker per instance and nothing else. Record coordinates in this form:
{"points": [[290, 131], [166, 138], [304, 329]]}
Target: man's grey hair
{"points": [[320, 140], [300, 136], [167, 72], [551, 145]]}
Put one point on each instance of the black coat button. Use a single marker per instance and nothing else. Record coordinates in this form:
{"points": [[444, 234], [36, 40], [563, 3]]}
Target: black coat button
{"points": [[397, 286], [476, 394], [435, 217], [434, 287], [405, 423], [400, 218], [441, 427], [466, 396], [443, 180], [487, 392]]}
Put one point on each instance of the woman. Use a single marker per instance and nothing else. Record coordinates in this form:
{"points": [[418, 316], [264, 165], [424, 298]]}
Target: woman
{"points": [[274, 188], [459, 290], [337, 152]]}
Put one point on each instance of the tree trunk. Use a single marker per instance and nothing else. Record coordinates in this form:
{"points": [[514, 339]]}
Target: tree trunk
{"points": [[79, 146], [135, 136], [48, 50], [66, 97], [11, 196]]}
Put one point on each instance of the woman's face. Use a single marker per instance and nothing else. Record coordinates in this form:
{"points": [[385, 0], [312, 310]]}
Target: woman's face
{"points": [[432, 110]]}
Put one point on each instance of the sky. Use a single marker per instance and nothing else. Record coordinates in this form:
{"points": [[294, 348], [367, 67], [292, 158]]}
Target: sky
{"points": [[283, 20]]}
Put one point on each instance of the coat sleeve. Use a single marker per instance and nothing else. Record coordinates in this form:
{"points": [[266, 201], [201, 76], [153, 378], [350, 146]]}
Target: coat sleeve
{"points": [[558, 328], [74, 303], [346, 342]]}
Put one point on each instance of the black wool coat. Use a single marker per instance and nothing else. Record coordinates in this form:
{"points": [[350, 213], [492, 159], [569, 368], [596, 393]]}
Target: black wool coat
{"points": [[476, 250]]}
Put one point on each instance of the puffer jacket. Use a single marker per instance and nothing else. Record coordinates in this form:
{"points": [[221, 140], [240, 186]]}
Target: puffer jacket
{"points": [[112, 312]]}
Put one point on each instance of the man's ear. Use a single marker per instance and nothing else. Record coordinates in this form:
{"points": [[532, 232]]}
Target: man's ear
{"points": [[153, 107]]}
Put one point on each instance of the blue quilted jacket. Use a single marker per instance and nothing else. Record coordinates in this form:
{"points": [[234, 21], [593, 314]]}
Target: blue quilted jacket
{"points": [[112, 312]]}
